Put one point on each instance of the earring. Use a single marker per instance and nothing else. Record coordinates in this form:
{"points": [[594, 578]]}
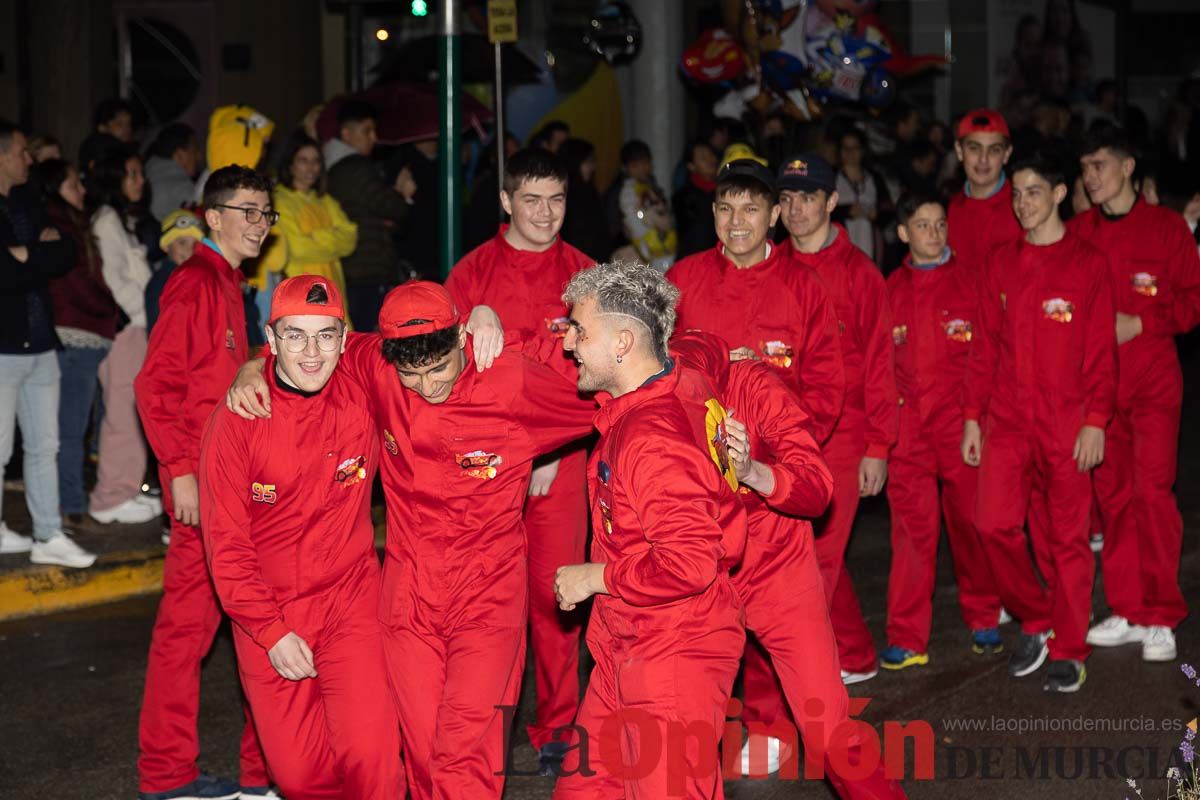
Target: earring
{"points": [[618, 359]]}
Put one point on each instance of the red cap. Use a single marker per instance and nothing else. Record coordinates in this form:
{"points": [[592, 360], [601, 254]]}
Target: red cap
{"points": [[290, 299], [416, 300], [982, 120]]}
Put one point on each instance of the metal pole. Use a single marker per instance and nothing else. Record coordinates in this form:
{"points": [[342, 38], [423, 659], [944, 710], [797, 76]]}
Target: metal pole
{"points": [[449, 125], [500, 137]]}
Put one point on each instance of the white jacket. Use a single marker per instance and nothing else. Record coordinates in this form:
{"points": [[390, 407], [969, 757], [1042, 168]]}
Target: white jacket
{"points": [[124, 265]]}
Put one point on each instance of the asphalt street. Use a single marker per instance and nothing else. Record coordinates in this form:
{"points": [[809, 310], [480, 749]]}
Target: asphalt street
{"points": [[70, 688]]}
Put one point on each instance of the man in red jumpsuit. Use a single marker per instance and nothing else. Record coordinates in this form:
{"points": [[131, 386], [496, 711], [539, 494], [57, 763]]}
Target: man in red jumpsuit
{"points": [[667, 627], [783, 480], [749, 294], [934, 301], [521, 274], [1156, 284], [1040, 388], [287, 529], [194, 352], [980, 216], [866, 430]]}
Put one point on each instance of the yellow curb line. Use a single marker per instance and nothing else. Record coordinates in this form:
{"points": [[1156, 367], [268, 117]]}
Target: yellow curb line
{"points": [[42, 590]]}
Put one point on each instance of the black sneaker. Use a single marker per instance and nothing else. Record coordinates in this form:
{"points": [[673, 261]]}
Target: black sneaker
{"points": [[1031, 651], [1065, 675], [205, 787], [550, 759]]}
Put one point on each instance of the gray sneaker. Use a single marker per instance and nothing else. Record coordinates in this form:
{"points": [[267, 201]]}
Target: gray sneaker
{"points": [[1029, 654], [61, 551]]}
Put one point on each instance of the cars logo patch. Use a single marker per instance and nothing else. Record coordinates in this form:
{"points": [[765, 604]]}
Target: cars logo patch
{"points": [[899, 334], [229, 344], [1058, 309], [351, 471], [1145, 284], [605, 515], [389, 442], [958, 330], [558, 326], [777, 354], [478, 464], [718, 441]]}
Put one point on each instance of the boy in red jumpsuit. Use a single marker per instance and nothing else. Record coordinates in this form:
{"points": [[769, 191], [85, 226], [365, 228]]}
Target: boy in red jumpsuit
{"points": [[667, 627], [1040, 387], [866, 430], [783, 481], [934, 300], [980, 216], [521, 273], [291, 547], [194, 352], [1156, 284]]}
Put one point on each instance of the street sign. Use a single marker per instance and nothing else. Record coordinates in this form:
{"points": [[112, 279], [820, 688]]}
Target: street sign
{"points": [[502, 21]]}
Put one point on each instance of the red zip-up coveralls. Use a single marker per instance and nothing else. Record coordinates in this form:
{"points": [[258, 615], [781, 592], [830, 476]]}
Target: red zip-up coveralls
{"points": [[668, 637], [193, 355], [867, 426], [780, 312], [286, 503], [1042, 364], [525, 288], [976, 227], [1156, 275], [934, 317], [455, 586]]}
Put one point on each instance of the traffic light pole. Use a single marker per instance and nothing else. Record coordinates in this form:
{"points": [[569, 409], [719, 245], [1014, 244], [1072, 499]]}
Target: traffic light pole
{"points": [[449, 128]]}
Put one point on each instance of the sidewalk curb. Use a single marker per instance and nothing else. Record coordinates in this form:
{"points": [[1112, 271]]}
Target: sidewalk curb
{"points": [[38, 590]]}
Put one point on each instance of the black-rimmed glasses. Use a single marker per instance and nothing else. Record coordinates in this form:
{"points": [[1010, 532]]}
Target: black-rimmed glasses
{"points": [[253, 215]]}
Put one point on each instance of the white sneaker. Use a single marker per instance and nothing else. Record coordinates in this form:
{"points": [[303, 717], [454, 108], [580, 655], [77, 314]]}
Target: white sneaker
{"points": [[775, 754], [1159, 644], [1005, 617], [13, 542], [149, 501], [849, 678], [131, 512], [1115, 631], [62, 551]]}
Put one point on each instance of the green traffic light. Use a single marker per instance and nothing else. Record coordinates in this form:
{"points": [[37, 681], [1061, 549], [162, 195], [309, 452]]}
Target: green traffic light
{"points": [[419, 8]]}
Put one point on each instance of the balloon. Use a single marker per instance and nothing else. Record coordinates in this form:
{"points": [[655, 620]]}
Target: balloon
{"points": [[715, 57], [614, 33]]}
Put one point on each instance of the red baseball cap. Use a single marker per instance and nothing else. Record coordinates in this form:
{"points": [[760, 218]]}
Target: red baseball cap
{"points": [[292, 298], [416, 300], [982, 120]]}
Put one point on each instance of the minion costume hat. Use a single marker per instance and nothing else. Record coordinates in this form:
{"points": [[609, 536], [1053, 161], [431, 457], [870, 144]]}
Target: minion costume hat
{"points": [[178, 224], [237, 135], [739, 151]]}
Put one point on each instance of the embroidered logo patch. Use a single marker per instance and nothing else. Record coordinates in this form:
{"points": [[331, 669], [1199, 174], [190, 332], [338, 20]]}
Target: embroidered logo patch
{"points": [[351, 471], [958, 330], [899, 334], [603, 472], [605, 515], [1058, 309], [1145, 284], [718, 441], [777, 354], [263, 493], [1003, 301], [229, 339], [478, 464], [389, 442], [558, 326]]}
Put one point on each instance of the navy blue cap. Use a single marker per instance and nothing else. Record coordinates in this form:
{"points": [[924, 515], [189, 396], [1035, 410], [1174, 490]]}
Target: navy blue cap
{"points": [[807, 172]]}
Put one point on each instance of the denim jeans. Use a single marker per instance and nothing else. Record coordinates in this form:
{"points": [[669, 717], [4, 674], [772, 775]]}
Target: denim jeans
{"points": [[29, 394], [78, 366]]}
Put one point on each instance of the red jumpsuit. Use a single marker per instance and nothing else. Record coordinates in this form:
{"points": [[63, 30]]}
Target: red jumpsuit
{"points": [[286, 503], [780, 312], [525, 289], [867, 426], [194, 352], [668, 637], [1156, 275], [454, 601], [1042, 365], [934, 315], [976, 227]]}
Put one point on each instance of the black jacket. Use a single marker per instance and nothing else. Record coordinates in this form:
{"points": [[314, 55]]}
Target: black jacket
{"points": [[26, 313], [372, 205]]}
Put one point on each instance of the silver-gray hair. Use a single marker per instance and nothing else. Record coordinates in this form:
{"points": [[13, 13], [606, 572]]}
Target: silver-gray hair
{"points": [[634, 290]]}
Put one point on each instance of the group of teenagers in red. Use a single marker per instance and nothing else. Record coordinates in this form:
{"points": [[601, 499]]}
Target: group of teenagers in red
{"points": [[710, 431]]}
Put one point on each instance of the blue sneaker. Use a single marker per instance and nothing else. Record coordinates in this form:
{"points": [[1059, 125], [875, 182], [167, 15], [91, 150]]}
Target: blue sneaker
{"points": [[895, 658], [986, 641], [205, 787]]}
